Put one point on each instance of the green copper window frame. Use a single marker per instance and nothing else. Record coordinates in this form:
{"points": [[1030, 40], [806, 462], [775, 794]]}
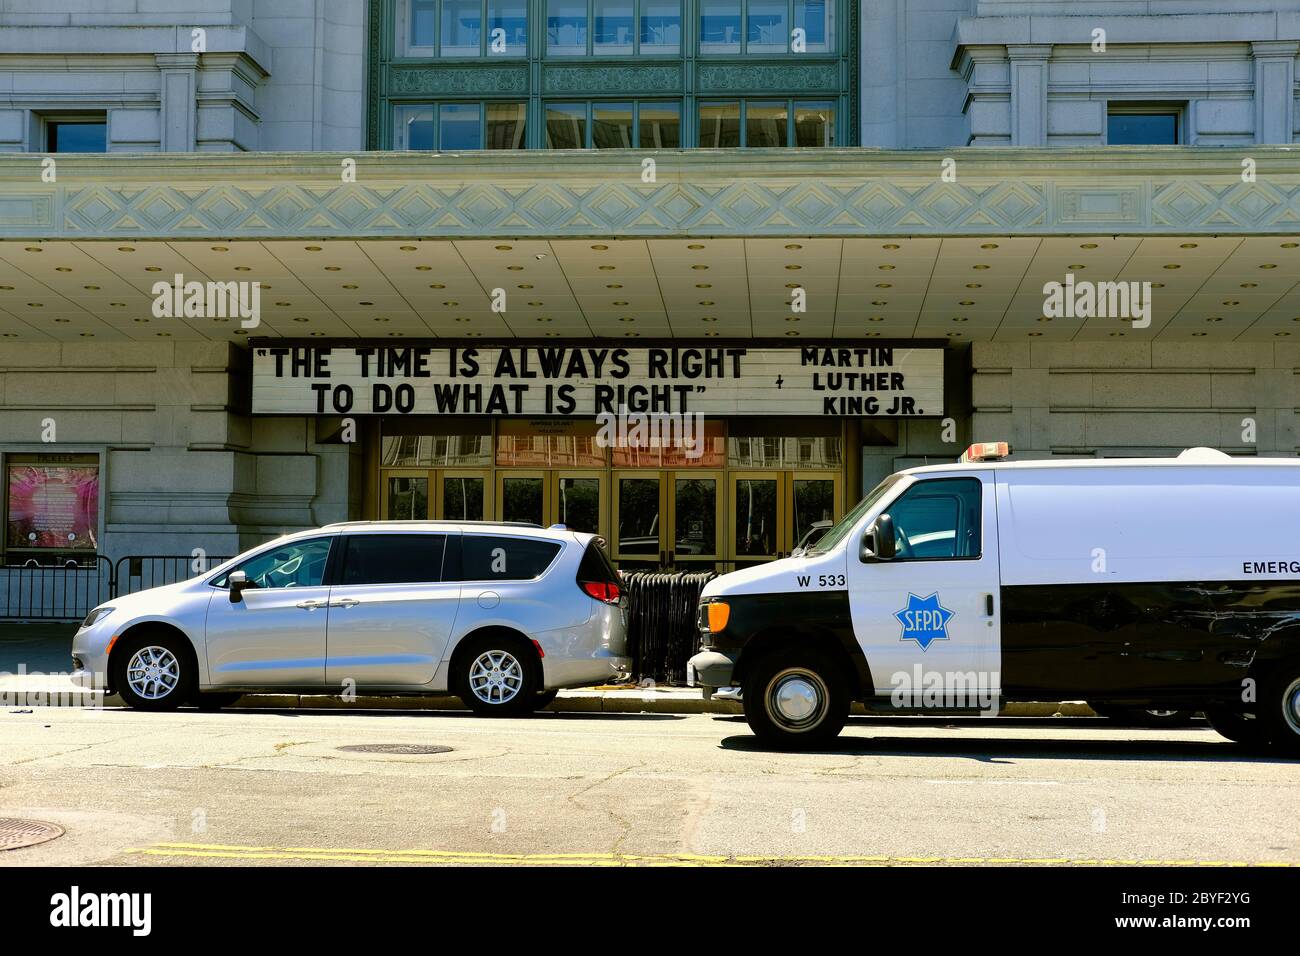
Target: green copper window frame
{"points": [[588, 117], [743, 40], [534, 78]]}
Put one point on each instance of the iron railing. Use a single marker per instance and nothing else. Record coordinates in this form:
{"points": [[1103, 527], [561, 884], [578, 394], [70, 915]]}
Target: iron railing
{"points": [[139, 572], [66, 588]]}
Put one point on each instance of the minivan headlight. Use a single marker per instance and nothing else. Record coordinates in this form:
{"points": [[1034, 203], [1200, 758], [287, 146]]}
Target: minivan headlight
{"points": [[98, 614]]}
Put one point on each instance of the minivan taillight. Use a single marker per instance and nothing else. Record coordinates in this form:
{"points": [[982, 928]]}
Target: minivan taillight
{"points": [[606, 591]]}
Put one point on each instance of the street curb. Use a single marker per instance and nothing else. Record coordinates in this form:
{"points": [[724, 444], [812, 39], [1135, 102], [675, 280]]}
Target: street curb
{"points": [[650, 701], [617, 702]]}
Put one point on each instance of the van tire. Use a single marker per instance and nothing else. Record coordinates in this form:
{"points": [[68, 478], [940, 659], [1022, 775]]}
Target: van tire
{"points": [[1279, 707], [795, 698], [1238, 726], [500, 667], [177, 670]]}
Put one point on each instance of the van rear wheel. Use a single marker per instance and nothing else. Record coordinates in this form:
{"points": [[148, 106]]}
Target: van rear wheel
{"points": [[1280, 708], [1238, 726], [794, 698]]}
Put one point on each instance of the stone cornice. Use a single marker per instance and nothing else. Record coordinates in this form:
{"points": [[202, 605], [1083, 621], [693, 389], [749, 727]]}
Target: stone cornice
{"points": [[840, 192]]}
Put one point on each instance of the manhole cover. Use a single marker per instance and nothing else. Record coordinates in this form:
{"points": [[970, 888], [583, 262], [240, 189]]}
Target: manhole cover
{"points": [[395, 749], [18, 833]]}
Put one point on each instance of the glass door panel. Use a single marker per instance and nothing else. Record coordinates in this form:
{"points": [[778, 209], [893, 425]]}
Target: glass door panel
{"points": [[814, 505], [462, 497], [522, 497], [697, 518], [638, 512], [757, 513], [405, 496], [580, 502]]}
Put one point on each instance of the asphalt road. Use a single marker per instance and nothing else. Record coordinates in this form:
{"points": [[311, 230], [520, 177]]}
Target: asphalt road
{"points": [[271, 787]]}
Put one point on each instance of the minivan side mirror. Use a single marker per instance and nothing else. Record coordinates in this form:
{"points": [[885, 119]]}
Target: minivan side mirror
{"points": [[238, 581], [879, 542]]}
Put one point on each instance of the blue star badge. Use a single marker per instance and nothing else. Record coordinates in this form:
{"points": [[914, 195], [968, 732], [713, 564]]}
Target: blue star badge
{"points": [[924, 620]]}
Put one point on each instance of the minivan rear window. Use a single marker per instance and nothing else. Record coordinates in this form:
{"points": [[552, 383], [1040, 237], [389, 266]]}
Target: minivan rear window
{"points": [[486, 557], [393, 558]]}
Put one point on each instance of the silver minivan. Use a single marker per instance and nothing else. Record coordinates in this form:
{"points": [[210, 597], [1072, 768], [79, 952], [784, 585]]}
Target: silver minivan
{"points": [[501, 614]]}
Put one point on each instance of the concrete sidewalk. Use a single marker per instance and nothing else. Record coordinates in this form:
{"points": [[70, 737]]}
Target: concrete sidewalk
{"points": [[34, 665]]}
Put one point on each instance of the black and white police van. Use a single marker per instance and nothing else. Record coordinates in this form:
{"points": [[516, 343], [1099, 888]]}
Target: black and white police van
{"points": [[1148, 583]]}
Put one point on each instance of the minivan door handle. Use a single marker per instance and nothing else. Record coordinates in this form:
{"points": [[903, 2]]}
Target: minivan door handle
{"points": [[345, 602], [311, 605], [988, 605]]}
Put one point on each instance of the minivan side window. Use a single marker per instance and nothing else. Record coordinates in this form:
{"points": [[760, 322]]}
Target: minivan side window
{"points": [[392, 558], [938, 520], [498, 558], [300, 564]]}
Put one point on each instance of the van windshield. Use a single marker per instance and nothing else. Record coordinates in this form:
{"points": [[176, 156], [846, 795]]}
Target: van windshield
{"points": [[831, 539]]}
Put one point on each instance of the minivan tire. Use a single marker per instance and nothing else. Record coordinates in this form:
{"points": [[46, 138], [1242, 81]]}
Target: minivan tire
{"points": [[794, 698], [497, 676], [154, 671]]}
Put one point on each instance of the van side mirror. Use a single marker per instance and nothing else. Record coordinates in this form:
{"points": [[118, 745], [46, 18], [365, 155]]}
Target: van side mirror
{"points": [[238, 582], [879, 542]]}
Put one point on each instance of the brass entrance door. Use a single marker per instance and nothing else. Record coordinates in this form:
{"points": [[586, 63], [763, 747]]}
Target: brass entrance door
{"points": [[419, 494], [669, 518], [770, 513], [576, 499]]}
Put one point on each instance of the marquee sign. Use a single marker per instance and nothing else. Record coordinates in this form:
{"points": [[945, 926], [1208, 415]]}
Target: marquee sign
{"points": [[585, 381]]}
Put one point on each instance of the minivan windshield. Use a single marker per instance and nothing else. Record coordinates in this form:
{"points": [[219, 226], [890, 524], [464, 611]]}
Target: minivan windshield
{"points": [[831, 539]]}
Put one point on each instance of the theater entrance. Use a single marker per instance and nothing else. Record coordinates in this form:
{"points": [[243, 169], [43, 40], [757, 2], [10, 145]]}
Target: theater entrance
{"points": [[751, 492]]}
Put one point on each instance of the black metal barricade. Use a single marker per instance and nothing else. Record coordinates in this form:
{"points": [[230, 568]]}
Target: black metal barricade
{"points": [[63, 588], [139, 572], [662, 634]]}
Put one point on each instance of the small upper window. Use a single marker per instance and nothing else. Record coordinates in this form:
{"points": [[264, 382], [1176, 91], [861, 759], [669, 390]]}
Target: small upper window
{"points": [[393, 558], [76, 135], [499, 558], [1127, 127]]}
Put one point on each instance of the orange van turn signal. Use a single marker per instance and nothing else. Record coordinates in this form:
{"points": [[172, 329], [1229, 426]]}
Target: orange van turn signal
{"points": [[719, 612]]}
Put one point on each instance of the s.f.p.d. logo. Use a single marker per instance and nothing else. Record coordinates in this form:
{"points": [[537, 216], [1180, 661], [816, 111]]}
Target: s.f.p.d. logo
{"points": [[924, 620]]}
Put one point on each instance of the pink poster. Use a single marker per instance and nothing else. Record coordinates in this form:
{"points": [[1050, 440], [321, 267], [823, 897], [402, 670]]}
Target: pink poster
{"points": [[53, 506]]}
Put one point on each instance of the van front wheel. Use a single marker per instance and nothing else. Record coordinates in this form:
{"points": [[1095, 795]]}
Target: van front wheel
{"points": [[794, 698]]}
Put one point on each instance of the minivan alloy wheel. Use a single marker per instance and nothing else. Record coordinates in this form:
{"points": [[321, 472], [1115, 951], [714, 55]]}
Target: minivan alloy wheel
{"points": [[153, 672], [495, 677]]}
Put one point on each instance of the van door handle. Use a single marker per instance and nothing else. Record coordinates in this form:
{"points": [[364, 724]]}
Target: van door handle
{"points": [[988, 605], [345, 602], [310, 605]]}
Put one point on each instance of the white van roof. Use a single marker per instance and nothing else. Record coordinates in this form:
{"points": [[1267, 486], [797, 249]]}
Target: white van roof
{"points": [[1191, 458]]}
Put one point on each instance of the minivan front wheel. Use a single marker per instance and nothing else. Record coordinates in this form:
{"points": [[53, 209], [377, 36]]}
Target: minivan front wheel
{"points": [[794, 698], [154, 672], [496, 678]]}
